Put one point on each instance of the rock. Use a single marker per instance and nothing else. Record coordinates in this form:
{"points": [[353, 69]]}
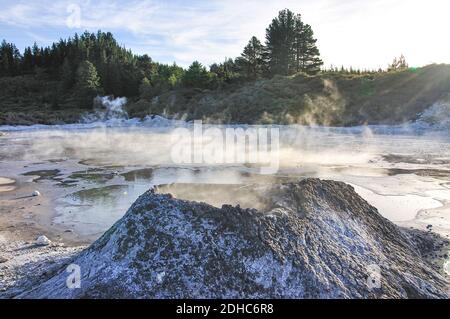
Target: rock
{"points": [[3, 260], [43, 241], [310, 239], [36, 193]]}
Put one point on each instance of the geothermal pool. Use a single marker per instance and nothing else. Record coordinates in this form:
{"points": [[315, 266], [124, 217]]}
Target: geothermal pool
{"points": [[89, 174]]}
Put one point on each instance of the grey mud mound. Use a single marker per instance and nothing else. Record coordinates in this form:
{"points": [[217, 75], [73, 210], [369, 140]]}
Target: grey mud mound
{"points": [[315, 239]]}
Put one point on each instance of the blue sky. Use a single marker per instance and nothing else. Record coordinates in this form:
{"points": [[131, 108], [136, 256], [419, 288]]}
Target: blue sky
{"points": [[361, 33]]}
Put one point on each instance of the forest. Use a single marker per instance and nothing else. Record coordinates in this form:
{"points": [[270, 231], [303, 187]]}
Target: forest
{"points": [[56, 83], [90, 64]]}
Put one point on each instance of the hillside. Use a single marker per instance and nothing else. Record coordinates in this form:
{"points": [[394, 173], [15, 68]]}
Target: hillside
{"points": [[30, 99], [328, 99]]}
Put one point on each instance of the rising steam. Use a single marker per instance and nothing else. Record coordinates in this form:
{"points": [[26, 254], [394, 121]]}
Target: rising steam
{"points": [[107, 108]]}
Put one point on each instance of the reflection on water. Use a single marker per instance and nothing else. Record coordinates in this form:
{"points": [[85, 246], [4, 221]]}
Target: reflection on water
{"points": [[90, 212], [93, 175], [137, 175], [244, 195], [93, 210]]}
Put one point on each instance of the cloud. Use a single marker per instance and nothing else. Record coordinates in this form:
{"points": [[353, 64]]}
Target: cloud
{"points": [[350, 32], [203, 30]]}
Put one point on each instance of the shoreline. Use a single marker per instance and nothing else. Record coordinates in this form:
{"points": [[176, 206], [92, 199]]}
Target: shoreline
{"points": [[13, 127], [24, 217]]}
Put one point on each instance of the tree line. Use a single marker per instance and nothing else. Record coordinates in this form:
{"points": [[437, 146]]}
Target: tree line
{"points": [[94, 63]]}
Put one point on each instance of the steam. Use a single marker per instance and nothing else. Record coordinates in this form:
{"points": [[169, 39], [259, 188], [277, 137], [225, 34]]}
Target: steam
{"points": [[323, 109], [107, 108], [437, 116], [151, 146], [303, 150]]}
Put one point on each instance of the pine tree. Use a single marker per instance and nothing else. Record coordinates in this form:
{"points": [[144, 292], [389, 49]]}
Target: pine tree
{"points": [[66, 75], [145, 89], [27, 63], [398, 64], [307, 54], [299, 43], [88, 84], [402, 64], [37, 55], [291, 46], [112, 81], [10, 59], [196, 76], [227, 71], [251, 61], [280, 37]]}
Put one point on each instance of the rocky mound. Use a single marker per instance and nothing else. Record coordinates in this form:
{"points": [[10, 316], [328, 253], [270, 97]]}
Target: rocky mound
{"points": [[315, 239]]}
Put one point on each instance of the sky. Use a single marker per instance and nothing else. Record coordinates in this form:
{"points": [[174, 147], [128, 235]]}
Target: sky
{"points": [[359, 33]]}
